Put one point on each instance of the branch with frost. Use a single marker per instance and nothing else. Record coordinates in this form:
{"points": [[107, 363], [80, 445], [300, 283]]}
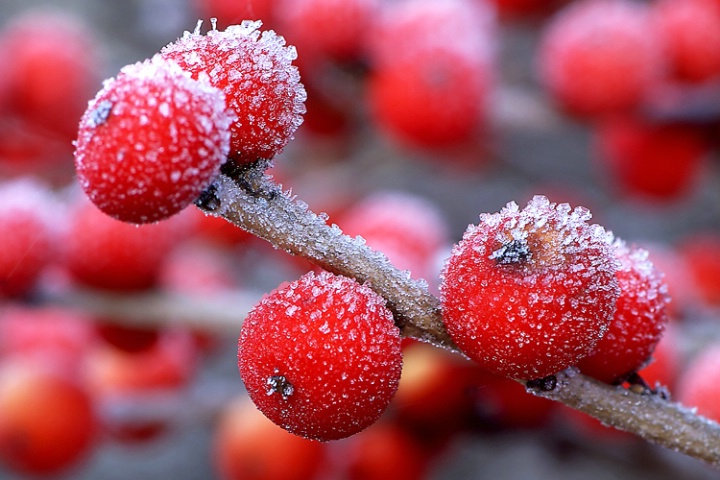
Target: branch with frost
{"points": [[249, 199]]}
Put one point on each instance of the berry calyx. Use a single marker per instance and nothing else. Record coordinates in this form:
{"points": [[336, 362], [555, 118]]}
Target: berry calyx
{"points": [[261, 85], [151, 141], [640, 317], [321, 356], [527, 293]]}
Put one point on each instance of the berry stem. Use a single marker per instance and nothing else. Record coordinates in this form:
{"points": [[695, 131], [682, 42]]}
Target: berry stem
{"points": [[251, 200]]}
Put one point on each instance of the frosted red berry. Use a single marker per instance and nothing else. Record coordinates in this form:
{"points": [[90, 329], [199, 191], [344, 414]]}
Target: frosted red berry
{"points": [[527, 293], [640, 317], [151, 141], [262, 87], [321, 356], [598, 57]]}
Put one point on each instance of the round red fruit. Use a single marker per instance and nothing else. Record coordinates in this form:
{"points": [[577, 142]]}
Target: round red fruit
{"points": [[321, 356], [248, 446], [699, 383], [27, 236], [261, 85], [528, 293], [598, 57], [640, 317], [651, 159], [47, 420], [151, 141]]}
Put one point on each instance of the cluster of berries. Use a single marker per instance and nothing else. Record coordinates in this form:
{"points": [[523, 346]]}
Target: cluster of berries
{"points": [[157, 134], [643, 75]]}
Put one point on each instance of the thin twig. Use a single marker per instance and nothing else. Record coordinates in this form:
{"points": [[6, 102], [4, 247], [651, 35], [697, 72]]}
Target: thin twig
{"points": [[252, 201]]}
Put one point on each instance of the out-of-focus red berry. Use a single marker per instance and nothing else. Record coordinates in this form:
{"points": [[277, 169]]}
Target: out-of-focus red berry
{"points": [[47, 419], [690, 34], [701, 252], [600, 57], [649, 159], [699, 383], [248, 446]]}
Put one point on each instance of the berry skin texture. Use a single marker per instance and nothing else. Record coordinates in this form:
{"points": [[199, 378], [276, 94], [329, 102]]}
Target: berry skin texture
{"points": [[528, 293], [151, 141], [640, 317], [261, 86], [321, 356], [600, 57]]}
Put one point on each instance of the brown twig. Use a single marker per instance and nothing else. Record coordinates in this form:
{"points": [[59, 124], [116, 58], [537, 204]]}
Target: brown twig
{"points": [[252, 201]]}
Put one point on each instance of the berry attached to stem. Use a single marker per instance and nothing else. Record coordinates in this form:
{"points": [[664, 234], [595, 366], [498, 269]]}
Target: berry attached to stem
{"points": [[321, 356], [528, 293]]}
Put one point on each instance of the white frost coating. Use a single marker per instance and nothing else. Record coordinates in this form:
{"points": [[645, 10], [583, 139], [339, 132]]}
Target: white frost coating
{"points": [[255, 71]]}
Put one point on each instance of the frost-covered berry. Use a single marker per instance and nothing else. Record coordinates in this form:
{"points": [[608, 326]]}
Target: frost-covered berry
{"points": [[640, 317], [527, 293], [151, 141], [261, 84], [598, 57], [321, 356]]}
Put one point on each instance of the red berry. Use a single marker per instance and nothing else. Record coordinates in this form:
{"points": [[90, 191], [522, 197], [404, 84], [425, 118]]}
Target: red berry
{"points": [[690, 32], [151, 141], [105, 253], [656, 160], [701, 252], [47, 420], [52, 335], [261, 85], [332, 28], [321, 356], [40, 47], [409, 229], [699, 383], [248, 446], [386, 451], [525, 8], [640, 317], [27, 239], [663, 369], [425, 90], [600, 56], [528, 293]]}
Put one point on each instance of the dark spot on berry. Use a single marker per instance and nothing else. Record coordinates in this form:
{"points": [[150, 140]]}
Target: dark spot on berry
{"points": [[280, 384], [208, 199], [545, 384], [101, 113], [511, 253]]}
